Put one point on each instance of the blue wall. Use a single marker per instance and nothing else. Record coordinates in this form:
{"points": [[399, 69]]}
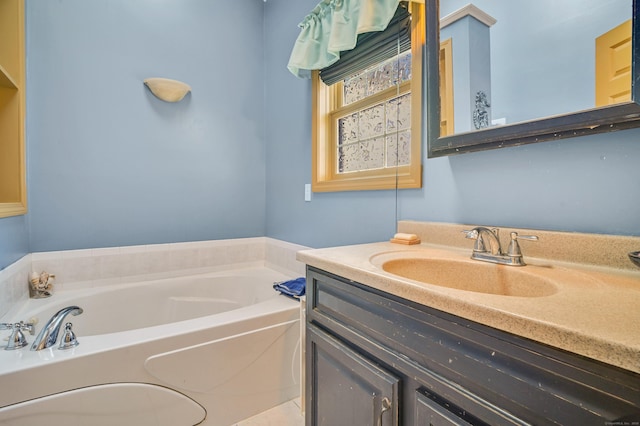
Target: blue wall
{"points": [[111, 165], [330, 218], [587, 184], [14, 239]]}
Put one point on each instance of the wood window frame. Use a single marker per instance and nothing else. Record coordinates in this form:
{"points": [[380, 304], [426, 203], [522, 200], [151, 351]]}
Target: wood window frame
{"points": [[325, 177]]}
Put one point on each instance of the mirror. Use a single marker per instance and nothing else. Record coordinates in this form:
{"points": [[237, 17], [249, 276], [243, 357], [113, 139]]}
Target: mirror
{"points": [[511, 73]]}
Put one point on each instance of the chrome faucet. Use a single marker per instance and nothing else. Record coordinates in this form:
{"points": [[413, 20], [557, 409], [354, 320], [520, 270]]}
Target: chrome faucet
{"points": [[49, 333], [488, 249]]}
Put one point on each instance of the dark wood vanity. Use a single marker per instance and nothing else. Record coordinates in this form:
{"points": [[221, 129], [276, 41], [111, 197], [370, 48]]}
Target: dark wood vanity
{"points": [[373, 358]]}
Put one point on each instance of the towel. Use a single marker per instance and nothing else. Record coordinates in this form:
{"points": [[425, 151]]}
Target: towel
{"points": [[292, 288]]}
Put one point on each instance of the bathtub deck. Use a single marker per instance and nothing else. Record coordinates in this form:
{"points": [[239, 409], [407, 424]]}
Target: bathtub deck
{"points": [[287, 414]]}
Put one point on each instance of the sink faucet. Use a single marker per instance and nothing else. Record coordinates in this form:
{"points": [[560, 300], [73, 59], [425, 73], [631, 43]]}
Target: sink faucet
{"points": [[49, 333], [488, 249]]}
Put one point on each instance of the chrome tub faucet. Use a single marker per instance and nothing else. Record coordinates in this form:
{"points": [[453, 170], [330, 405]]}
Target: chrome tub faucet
{"points": [[49, 333], [487, 247]]}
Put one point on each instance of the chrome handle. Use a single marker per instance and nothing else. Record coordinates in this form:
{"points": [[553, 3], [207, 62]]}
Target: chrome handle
{"points": [[18, 326], [471, 234], [17, 339], [68, 339], [515, 236], [385, 405], [28, 326], [514, 248]]}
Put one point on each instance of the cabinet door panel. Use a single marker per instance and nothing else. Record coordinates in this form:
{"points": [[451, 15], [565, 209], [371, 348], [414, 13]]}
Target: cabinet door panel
{"points": [[344, 388]]}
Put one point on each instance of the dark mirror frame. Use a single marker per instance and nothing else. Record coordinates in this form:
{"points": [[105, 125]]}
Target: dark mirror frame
{"points": [[587, 122]]}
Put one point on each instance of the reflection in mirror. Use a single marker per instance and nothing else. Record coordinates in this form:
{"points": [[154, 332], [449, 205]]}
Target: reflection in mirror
{"points": [[520, 72]]}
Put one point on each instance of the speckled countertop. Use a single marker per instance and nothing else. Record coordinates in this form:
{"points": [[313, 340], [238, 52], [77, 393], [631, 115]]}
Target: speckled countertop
{"points": [[594, 309]]}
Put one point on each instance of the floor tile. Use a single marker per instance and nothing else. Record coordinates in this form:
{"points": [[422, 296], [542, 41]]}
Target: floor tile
{"points": [[287, 414]]}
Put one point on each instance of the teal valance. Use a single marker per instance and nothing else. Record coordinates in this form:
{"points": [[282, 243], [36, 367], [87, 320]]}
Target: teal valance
{"points": [[333, 27]]}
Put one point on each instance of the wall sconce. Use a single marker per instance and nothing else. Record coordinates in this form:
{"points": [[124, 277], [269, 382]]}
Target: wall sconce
{"points": [[166, 89]]}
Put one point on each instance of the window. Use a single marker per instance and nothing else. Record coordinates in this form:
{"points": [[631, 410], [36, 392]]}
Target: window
{"points": [[366, 128]]}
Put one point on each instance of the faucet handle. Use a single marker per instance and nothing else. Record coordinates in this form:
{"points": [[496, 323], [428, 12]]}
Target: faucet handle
{"points": [[472, 234], [17, 339], [514, 247], [68, 339]]}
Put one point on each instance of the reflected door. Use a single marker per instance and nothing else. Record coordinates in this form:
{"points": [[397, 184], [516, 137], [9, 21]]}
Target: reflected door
{"points": [[613, 65], [446, 88]]}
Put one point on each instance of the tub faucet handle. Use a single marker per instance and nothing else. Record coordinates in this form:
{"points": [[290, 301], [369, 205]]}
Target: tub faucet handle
{"points": [[17, 339], [68, 339]]}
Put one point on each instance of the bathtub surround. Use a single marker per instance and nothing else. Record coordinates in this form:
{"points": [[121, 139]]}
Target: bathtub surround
{"points": [[14, 284], [221, 310], [224, 340], [115, 265]]}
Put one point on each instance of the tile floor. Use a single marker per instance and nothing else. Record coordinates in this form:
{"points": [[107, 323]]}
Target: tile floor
{"points": [[287, 414]]}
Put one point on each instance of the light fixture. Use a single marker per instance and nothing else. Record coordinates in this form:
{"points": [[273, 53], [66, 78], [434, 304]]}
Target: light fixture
{"points": [[166, 89]]}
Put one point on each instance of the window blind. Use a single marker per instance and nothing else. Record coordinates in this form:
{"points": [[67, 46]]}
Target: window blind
{"points": [[372, 48]]}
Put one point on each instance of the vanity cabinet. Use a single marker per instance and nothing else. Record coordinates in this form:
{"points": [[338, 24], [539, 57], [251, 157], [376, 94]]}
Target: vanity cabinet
{"points": [[377, 359]]}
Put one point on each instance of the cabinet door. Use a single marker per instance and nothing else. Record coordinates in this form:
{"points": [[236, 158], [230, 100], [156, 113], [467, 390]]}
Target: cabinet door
{"points": [[345, 388]]}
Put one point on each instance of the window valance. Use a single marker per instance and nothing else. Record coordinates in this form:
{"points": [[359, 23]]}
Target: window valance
{"points": [[332, 27], [372, 48]]}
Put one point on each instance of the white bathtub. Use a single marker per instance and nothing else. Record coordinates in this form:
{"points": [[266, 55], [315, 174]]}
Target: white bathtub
{"points": [[204, 349]]}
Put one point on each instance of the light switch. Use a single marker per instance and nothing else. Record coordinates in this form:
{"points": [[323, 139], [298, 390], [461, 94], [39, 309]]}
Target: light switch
{"points": [[307, 192]]}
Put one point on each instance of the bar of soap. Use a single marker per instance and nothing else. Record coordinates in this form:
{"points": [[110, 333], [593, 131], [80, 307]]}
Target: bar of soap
{"points": [[402, 238]]}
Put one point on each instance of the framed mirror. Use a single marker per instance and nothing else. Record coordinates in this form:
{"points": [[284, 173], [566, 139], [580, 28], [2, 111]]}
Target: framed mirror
{"points": [[501, 73]]}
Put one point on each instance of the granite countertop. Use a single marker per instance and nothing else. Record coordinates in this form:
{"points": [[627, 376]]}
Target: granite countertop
{"points": [[594, 311]]}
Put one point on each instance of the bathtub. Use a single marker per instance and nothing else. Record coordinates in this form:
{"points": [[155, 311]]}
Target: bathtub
{"points": [[210, 349]]}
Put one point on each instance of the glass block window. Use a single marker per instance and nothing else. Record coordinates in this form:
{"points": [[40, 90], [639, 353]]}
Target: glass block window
{"points": [[366, 129], [376, 137], [378, 78]]}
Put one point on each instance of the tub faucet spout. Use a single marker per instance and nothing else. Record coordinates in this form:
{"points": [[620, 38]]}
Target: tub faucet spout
{"points": [[49, 333]]}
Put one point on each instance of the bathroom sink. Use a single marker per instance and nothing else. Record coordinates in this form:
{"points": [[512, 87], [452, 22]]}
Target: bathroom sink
{"points": [[470, 275]]}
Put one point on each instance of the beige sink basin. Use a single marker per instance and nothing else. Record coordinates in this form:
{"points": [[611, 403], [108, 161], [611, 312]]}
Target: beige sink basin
{"points": [[471, 275]]}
